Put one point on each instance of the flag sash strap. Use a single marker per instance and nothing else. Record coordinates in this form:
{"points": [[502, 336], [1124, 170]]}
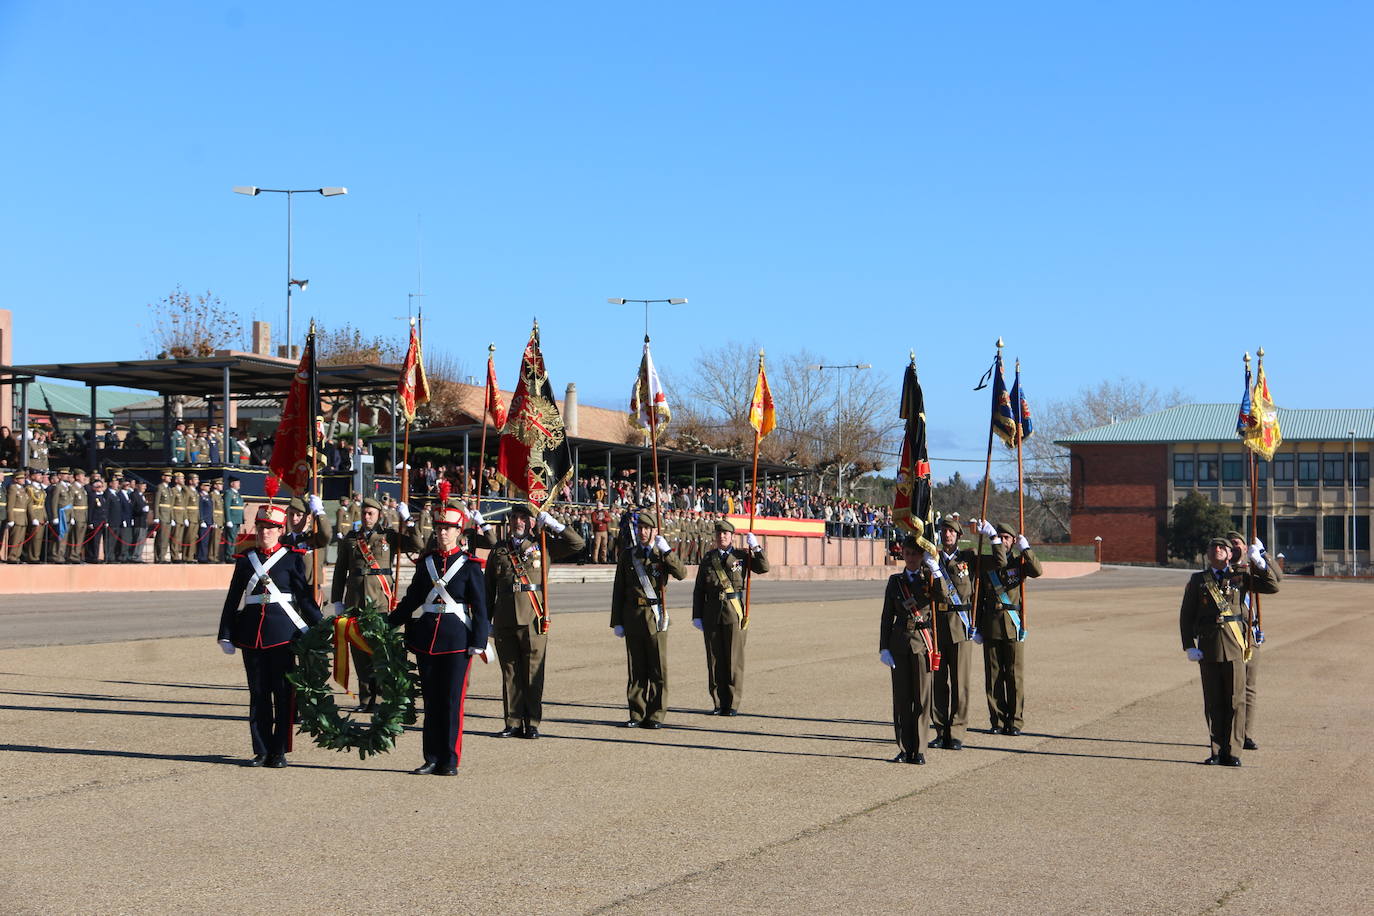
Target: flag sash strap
{"points": [[445, 603], [952, 595], [717, 568], [650, 594], [274, 594], [1233, 627], [1005, 603], [371, 562], [927, 636], [346, 633]]}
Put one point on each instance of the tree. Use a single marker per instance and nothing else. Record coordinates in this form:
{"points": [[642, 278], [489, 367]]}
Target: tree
{"points": [[184, 325], [1047, 464], [1196, 520]]}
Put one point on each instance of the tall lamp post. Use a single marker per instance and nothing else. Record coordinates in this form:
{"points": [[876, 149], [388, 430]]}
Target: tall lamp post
{"points": [[1354, 522], [839, 420], [290, 281], [646, 303]]}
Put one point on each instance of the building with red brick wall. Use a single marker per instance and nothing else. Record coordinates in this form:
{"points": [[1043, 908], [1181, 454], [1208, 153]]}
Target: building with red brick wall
{"points": [[1314, 497]]}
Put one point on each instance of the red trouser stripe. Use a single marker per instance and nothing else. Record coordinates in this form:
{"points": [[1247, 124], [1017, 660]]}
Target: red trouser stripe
{"points": [[462, 698]]}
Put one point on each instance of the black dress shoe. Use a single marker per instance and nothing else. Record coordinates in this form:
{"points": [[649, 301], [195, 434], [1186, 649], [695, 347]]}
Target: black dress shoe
{"points": [[1011, 730], [530, 732], [445, 771], [917, 758], [424, 770], [953, 744], [714, 712], [509, 732], [731, 712], [633, 723], [901, 757], [936, 742], [1230, 761], [1250, 745], [275, 761], [651, 725], [1211, 761], [257, 760]]}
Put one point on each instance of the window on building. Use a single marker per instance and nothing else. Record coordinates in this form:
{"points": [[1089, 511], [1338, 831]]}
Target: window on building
{"points": [[1361, 532], [1261, 470], [1308, 468], [1361, 470], [1233, 470], [1183, 470], [1208, 472], [1333, 470], [1283, 469], [1333, 532]]}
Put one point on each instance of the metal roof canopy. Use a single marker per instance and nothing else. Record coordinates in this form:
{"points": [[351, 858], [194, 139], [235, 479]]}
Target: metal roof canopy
{"points": [[249, 375], [1217, 423], [452, 438]]}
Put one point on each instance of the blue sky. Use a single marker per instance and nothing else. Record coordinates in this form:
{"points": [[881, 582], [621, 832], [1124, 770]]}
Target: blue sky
{"points": [[1139, 189]]}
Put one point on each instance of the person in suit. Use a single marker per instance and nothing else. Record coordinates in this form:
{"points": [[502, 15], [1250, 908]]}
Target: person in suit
{"points": [[121, 522], [268, 605], [639, 615], [718, 612], [1214, 622], [102, 513], [138, 501], [906, 645], [449, 589], [205, 513]]}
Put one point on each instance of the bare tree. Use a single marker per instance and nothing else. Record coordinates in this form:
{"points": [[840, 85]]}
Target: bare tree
{"points": [[346, 345], [445, 373], [184, 325]]}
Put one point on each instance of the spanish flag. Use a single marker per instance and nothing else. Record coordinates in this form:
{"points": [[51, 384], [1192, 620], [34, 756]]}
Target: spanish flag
{"points": [[761, 415], [413, 388]]}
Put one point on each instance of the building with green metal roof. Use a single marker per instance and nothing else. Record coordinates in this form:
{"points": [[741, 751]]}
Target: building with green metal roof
{"points": [[1313, 497]]}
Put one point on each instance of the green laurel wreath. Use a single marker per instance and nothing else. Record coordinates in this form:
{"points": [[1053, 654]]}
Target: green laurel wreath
{"points": [[392, 670]]}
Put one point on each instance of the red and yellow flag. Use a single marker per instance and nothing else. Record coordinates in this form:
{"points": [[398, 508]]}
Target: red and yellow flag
{"points": [[761, 414], [1261, 433], [413, 388], [533, 428], [291, 452], [493, 406]]}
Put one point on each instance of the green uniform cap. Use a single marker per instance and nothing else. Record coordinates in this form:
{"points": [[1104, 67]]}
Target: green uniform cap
{"points": [[724, 527]]}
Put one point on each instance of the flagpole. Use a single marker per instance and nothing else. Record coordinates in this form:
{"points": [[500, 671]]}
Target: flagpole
{"points": [[314, 453], [983, 510], [1254, 499], [753, 504], [405, 486], [476, 488], [1020, 483]]}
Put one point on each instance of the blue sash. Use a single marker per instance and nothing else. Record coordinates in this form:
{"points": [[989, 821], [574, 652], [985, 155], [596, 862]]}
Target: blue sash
{"points": [[1007, 604], [952, 595]]}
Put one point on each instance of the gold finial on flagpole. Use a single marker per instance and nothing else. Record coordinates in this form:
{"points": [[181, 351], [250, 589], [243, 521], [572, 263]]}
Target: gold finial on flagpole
{"points": [[1000, 345]]}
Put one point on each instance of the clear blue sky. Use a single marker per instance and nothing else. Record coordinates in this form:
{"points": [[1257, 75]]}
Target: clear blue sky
{"points": [[1141, 189]]}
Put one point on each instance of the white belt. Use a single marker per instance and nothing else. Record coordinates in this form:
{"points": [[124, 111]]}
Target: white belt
{"points": [[457, 608]]}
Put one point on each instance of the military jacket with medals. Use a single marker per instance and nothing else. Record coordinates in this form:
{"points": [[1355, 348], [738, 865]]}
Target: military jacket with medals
{"points": [[711, 599], [1000, 592], [910, 604], [438, 631], [628, 600], [17, 500], [262, 622], [1214, 601], [164, 501], [960, 570], [507, 596], [80, 505], [355, 580]]}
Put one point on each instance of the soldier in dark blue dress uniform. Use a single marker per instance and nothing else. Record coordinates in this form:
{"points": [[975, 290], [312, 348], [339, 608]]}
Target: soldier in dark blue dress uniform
{"points": [[449, 590], [277, 606]]}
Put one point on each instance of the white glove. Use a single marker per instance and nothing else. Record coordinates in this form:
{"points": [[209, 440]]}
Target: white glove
{"points": [[477, 520], [475, 650], [1258, 543], [1022, 543], [403, 511], [203, 525], [619, 631], [696, 622], [885, 657], [146, 508], [984, 527], [34, 522], [548, 521], [316, 507], [1257, 556], [933, 565], [1194, 655], [338, 608], [226, 647], [186, 523], [750, 541], [661, 544], [977, 637]]}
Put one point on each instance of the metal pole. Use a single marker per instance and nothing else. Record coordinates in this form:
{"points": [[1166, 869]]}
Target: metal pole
{"points": [[577, 469], [357, 447], [467, 468], [91, 449], [24, 424], [393, 440], [224, 449], [609, 479], [1351, 502], [639, 475]]}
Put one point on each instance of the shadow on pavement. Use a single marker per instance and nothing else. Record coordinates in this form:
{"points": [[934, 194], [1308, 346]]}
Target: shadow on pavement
{"points": [[220, 759]]}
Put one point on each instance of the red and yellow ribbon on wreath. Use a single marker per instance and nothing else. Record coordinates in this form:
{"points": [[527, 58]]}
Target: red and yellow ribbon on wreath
{"points": [[346, 633]]}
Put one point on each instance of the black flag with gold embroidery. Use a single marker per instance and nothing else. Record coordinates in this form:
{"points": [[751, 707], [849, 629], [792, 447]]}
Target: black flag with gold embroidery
{"points": [[911, 506]]}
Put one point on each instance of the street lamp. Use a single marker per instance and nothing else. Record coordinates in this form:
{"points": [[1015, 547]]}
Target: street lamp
{"points": [[252, 191], [839, 424], [1354, 527], [646, 307]]}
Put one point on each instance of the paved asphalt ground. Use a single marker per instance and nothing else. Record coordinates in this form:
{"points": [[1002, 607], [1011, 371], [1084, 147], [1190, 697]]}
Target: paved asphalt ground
{"points": [[121, 790]]}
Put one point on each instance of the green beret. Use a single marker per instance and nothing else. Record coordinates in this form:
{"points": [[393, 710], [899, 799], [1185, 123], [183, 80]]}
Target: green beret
{"points": [[724, 527], [370, 503], [297, 505], [1218, 542], [1004, 528], [648, 518], [951, 523]]}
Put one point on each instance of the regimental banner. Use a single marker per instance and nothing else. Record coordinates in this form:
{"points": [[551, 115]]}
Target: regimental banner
{"points": [[648, 400], [292, 449], [412, 389], [1262, 434], [911, 504], [533, 428]]}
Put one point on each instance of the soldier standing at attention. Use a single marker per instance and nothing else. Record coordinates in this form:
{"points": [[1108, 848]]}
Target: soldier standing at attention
{"points": [[517, 606], [178, 442], [233, 519], [38, 518], [62, 498], [953, 627], [76, 525], [182, 500], [1000, 630], [165, 517], [1238, 558], [449, 588], [640, 616], [277, 606], [205, 532], [17, 501], [217, 550], [363, 574], [718, 612], [1213, 622], [906, 645]]}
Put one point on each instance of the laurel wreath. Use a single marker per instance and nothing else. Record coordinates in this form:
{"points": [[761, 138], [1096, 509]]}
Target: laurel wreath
{"points": [[393, 672]]}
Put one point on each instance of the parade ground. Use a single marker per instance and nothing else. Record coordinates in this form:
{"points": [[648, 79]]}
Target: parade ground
{"points": [[124, 730]]}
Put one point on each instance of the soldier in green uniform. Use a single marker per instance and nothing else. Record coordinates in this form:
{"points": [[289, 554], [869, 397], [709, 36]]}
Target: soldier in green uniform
{"points": [[639, 615], [217, 547], [17, 500], [958, 569], [163, 502], [76, 523], [38, 518], [190, 527], [718, 612], [1238, 559], [1213, 622], [179, 444], [364, 573], [1000, 630], [64, 497], [516, 605], [308, 529], [233, 519], [907, 647]]}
